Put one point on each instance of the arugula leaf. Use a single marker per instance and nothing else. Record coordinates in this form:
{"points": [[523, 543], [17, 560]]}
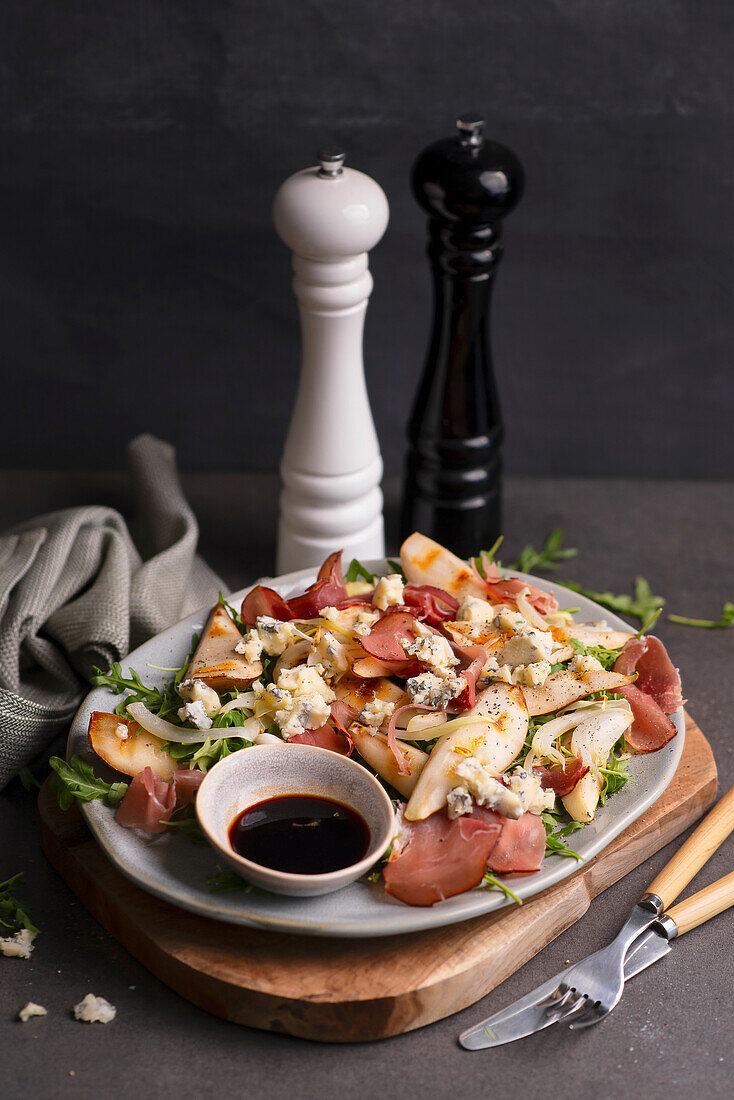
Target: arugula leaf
{"points": [[616, 773], [726, 619], [234, 613], [76, 780], [606, 657], [493, 883], [185, 821], [164, 702], [642, 605], [207, 753], [487, 556], [397, 567], [223, 882], [357, 570], [13, 912], [28, 779], [649, 624], [545, 560], [555, 838]]}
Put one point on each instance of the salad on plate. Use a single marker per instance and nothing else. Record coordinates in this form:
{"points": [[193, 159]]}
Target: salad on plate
{"points": [[497, 723]]}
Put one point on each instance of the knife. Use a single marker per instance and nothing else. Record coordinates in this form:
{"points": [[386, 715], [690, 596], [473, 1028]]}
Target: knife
{"points": [[536, 1011], [544, 1006]]}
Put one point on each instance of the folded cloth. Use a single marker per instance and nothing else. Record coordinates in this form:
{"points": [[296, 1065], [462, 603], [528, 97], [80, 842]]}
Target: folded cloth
{"points": [[78, 589]]}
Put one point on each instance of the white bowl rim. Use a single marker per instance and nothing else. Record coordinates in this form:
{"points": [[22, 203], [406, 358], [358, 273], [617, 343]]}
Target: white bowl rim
{"points": [[353, 869]]}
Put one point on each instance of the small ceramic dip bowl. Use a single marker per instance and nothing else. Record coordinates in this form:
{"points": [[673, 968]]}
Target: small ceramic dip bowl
{"points": [[261, 772]]}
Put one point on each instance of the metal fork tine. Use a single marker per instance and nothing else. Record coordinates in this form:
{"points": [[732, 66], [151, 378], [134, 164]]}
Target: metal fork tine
{"points": [[593, 1014]]}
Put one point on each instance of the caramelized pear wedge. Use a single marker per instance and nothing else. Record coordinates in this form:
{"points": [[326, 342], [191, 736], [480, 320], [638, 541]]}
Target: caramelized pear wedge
{"points": [[359, 692], [582, 801], [495, 738], [562, 688], [369, 668], [609, 639], [375, 751], [215, 662], [130, 754], [427, 562]]}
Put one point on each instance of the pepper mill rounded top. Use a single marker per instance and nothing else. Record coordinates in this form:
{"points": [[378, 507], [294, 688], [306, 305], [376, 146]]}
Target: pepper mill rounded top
{"points": [[468, 178], [330, 211]]}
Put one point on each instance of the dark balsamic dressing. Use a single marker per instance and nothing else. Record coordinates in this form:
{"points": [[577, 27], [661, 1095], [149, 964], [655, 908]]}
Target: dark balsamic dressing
{"points": [[300, 834]]}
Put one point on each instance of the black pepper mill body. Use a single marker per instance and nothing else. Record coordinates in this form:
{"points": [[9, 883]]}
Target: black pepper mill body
{"points": [[452, 491]]}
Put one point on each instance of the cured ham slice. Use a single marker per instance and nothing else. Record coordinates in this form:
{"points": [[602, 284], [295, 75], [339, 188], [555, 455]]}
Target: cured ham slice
{"points": [[186, 783], [521, 846], [326, 737], [472, 659], [506, 589], [656, 675], [438, 858], [328, 590], [334, 734], [651, 728], [148, 803], [264, 601], [562, 780], [429, 604], [385, 639]]}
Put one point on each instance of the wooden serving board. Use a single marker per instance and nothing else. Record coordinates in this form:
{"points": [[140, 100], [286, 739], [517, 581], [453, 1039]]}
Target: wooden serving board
{"points": [[345, 990]]}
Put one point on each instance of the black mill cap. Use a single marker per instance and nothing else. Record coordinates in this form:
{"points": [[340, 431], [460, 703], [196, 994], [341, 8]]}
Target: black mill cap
{"points": [[468, 178]]}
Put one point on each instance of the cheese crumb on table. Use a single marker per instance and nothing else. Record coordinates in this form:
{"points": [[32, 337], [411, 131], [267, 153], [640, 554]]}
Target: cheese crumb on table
{"points": [[18, 946], [31, 1009], [94, 1010]]}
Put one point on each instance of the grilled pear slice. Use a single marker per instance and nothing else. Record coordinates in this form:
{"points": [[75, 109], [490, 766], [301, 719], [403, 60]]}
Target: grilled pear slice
{"points": [[215, 662], [130, 754], [375, 751], [609, 639], [359, 692], [495, 739], [562, 688], [427, 562], [582, 801]]}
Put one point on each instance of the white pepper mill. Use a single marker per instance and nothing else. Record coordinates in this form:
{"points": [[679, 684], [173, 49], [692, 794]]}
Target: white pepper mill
{"points": [[330, 216]]}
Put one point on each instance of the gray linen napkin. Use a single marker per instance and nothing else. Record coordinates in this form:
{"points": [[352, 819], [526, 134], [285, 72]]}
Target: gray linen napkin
{"points": [[78, 588]]}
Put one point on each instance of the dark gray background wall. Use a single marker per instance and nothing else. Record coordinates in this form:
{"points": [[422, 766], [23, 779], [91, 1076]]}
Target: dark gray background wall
{"points": [[142, 285]]}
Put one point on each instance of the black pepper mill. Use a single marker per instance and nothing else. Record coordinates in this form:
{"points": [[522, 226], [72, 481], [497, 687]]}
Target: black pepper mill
{"points": [[467, 184]]}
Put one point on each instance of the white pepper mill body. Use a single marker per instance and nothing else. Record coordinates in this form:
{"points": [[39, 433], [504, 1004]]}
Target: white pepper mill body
{"points": [[330, 217]]}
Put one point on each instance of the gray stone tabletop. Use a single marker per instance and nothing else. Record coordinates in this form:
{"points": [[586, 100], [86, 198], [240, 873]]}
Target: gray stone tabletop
{"points": [[671, 1036]]}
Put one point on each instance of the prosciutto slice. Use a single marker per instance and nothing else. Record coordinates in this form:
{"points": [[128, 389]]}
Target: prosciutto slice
{"points": [[472, 659], [264, 601], [506, 589], [326, 737], [148, 803], [562, 780], [429, 604], [385, 639], [333, 734], [521, 846], [651, 728], [656, 675], [328, 590], [438, 858], [186, 783]]}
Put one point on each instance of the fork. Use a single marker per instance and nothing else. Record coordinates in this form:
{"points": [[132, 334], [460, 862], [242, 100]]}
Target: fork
{"points": [[589, 990]]}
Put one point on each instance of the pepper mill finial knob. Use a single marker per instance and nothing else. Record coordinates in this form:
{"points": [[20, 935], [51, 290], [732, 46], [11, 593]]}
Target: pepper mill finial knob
{"points": [[330, 217]]}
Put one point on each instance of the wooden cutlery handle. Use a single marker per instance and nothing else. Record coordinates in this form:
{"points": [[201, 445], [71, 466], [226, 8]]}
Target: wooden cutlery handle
{"points": [[691, 856], [704, 905]]}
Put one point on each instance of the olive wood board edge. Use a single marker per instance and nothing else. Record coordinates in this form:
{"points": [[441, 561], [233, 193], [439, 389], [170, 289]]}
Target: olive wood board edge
{"points": [[347, 990]]}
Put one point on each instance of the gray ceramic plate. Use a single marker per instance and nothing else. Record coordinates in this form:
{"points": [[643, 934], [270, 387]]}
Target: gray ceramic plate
{"points": [[173, 868]]}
